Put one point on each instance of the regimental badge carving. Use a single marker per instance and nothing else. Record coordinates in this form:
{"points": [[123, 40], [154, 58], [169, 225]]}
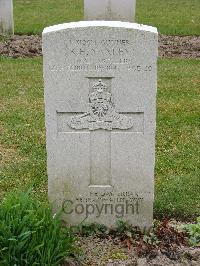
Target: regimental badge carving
{"points": [[101, 112]]}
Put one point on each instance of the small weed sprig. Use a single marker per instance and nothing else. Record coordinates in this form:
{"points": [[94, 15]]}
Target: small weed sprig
{"points": [[90, 230]]}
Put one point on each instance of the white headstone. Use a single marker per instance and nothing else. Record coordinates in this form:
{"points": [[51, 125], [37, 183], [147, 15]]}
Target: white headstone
{"points": [[6, 17], [122, 10], [100, 96]]}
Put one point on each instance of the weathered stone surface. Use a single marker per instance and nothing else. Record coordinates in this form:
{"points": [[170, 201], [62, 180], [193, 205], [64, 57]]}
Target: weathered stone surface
{"points": [[100, 97], [122, 10], [6, 17]]}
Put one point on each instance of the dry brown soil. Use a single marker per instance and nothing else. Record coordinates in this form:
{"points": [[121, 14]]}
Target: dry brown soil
{"points": [[111, 252]]}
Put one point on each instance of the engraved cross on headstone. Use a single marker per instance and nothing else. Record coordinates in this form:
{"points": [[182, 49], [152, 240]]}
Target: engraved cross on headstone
{"points": [[101, 120]]}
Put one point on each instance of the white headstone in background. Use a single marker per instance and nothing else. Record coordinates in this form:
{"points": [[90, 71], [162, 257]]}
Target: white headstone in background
{"points": [[122, 10], [6, 17], [100, 97]]}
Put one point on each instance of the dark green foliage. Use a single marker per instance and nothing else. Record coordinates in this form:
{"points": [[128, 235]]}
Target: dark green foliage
{"points": [[29, 235], [194, 233]]}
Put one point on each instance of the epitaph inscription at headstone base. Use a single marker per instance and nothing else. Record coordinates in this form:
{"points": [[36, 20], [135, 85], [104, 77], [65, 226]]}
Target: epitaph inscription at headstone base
{"points": [[122, 10], [6, 17], [100, 98]]}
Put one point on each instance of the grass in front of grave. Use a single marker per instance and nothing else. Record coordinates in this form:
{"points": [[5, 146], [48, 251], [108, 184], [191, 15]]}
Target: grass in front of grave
{"points": [[170, 16], [178, 138], [23, 134], [22, 129]]}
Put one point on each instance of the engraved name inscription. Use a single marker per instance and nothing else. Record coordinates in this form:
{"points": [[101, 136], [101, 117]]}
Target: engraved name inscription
{"points": [[105, 47], [101, 55]]}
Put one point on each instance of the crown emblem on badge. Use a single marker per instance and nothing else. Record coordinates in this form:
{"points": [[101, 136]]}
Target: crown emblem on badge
{"points": [[101, 112]]}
